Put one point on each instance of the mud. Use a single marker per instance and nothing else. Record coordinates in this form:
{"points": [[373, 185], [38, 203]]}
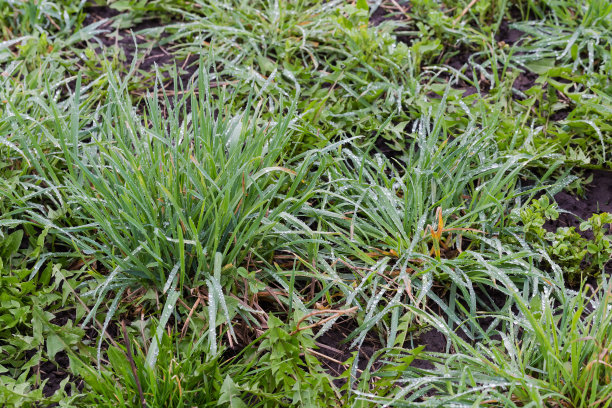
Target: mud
{"points": [[598, 199], [148, 51]]}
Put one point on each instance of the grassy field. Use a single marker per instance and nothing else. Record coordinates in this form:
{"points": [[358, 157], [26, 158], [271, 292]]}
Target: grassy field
{"points": [[306, 203]]}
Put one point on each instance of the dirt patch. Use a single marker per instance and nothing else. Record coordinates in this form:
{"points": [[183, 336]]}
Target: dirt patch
{"points": [[459, 59], [335, 351], [382, 146], [490, 300], [97, 13], [434, 342], [390, 10], [54, 372], [508, 35], [598, 199], [122, 38], [560, 114], [525, 81], [147, 50], [57, 370], [62, 317]]}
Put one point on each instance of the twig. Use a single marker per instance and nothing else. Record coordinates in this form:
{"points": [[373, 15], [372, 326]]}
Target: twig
{"points": [[259, 311], [330, 348], [184, 330], [340, 363], [401, 9], [52, 22], [131, 360], [464, 12], [335, 313], [186, 60], [272, 293]]}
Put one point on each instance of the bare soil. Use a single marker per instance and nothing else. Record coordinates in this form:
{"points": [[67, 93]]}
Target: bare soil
{"points": [[131, 43], [598, 199]]}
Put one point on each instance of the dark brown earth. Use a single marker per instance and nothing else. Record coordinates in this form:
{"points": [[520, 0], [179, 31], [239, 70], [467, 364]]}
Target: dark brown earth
{"points": [[524, 81], [147, 51], [434, 342], [508, 35], [460, 60], [336, 351], [491, 300], [57, 370], [123, 38], [560, 115], [54, 372], [598, 199], [390, 11]]}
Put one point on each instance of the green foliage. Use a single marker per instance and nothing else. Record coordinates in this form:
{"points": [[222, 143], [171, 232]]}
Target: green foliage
{"points": [[535, 215], [272, 374], [579, 257], [21, 18], [428, 218], [27, 338], [567, 50], [568, 250], [167, 204], [351, 78], [599, 249], [547, 354], [570, 51], [133, 12], [303, 380], [212, 215], [183, 377]]}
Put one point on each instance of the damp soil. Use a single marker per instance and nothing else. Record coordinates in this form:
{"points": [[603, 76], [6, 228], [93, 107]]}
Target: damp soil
{"points": [[337, 350], [508, 35], [334, 350], [525, 81], [57, 370], [398, 11], [460, 58], [54, 372], [434, 341], [148, 51], [560, 114], [574, 209], [597, 199]]}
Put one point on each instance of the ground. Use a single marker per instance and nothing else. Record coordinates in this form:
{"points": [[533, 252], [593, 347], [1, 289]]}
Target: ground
{"points": [[308, 203]]}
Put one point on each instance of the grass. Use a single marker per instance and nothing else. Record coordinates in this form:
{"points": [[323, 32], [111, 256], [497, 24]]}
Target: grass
{"points": [[302, 205], [543, 355]]}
